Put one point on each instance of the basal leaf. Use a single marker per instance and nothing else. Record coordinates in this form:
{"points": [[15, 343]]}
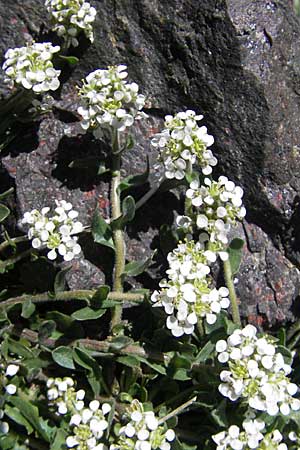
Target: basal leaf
{"points": [[60, 280], [31, 413], [88, 313], [28, 309], [63, 356]]}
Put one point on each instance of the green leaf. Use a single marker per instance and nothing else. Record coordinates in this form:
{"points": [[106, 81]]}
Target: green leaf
{"points": [[60, 280], [85, 360], [71, 60], [286, 353], [102, 168], [129, 142], [130, 361], [15, 415], [4, 212], [31, 413], [206, 352], [88, 313], [119, 342], [235, 251], [63, 321], [100, 295], [128, 213], [28, 309], [46, 329], [191, 176], [219, 414], [6, 193], [63, 356], [134, 268], [134, 180], [101, 231], [20, 349], [59, 442]]}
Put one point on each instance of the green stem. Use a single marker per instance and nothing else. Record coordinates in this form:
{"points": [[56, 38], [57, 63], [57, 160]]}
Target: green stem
{"points": [[14, 259], [66, 296], [177, 411], [11, 242], [200, 327], [232, 295], [118, 234]]}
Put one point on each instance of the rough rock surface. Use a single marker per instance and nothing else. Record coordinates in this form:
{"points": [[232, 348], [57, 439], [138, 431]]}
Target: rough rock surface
{"points": [[238, 63]]}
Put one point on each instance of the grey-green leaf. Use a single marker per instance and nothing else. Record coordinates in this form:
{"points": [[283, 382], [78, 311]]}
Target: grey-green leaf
{"points": [[101, 231], [235, 251], [88, 313], [63, 356]]}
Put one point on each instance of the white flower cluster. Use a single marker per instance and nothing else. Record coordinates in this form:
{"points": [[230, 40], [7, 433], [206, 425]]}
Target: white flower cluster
{"points": [[88, 425], [55, 232], [183, 143], [221, 202], [109, 101], [70, 17], [187, 295], [32, 68], [250, 438], [143, 432], [9, 387], [61, 394], [256, 372]]}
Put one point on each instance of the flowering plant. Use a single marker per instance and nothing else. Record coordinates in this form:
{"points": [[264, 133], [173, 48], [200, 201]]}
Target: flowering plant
{"points": [[169, 367]]}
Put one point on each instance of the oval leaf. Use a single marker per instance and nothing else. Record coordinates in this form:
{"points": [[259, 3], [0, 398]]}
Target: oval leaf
{"points": [[63, 356], [88, 313]]}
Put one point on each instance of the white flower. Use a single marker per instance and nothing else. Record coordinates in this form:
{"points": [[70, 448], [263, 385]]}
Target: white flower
{"points": [[257, 372], [31, 67], [70, 18], [142, 431], [11, 389], [55, 233], [183, 143], [109, 102], [11, 370]]}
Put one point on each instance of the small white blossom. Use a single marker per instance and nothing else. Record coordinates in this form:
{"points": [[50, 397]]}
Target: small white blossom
{"points": [[31, 67], [251, 437], [55, 233], [70, 18], [257, 372], [109, 102], [182, 144], [142, 431], [187, 295], [11, 370]]}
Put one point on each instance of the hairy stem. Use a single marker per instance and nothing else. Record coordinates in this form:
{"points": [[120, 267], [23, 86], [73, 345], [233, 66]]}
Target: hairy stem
{"points": [[66, 296], [118, 234], [232, 295]]}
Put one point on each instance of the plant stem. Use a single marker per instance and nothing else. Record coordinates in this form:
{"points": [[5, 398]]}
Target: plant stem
{"points": [[14, 259], [66, 296], [118, 234], [12, 241], [177, 411], [232, 295]]}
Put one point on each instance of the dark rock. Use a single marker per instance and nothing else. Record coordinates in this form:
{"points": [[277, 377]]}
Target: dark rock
{"points": [[238, 63]]}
